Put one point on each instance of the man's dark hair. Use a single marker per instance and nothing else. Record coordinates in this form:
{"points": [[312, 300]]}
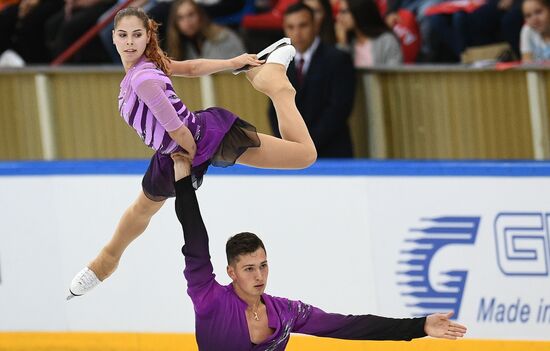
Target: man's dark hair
{"points": [[297, 8], [242, 244]]}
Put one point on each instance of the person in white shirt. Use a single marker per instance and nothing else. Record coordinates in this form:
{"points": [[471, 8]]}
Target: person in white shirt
{"points": [[535, 34]]}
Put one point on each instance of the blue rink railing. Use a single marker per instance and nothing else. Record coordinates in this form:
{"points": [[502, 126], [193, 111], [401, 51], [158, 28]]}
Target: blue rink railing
{"points": [[352, 167]]}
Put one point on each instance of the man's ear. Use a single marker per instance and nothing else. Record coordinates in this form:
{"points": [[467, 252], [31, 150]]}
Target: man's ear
{"points": [[231, 272]]}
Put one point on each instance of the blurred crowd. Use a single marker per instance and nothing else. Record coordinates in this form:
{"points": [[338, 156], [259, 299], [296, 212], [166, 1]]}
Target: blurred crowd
{"points": [[332, 39], [373, 32]]}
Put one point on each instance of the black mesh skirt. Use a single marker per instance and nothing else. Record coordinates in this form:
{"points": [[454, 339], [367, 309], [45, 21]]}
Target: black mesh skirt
{"points": [[240, 137], [158, 181]]}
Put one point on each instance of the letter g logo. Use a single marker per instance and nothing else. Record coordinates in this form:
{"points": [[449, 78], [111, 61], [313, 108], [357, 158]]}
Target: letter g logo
{"points": [[522, 243]]}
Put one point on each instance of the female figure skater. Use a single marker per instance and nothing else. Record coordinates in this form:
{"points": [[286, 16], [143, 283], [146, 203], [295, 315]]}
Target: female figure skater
{"points": [[149, 104]]}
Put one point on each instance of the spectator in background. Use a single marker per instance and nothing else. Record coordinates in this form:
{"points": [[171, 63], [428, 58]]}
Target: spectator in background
{"points": [[418, 8], [535, 34], [219, 8], [361, 30], [22, 28], [8, 19], [447, 36], [324, 20], [6, 3], [324, 79], [496, 21], [70, 23], [159, 12], [192, 35]]}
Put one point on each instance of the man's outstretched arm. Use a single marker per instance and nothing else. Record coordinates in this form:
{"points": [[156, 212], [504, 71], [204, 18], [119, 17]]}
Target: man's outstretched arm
{"points": [[188, 213], [359, 327], [370, 327], [198, 271]]}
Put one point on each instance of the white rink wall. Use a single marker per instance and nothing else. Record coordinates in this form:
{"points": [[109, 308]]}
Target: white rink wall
{"points": [[344, 236]]}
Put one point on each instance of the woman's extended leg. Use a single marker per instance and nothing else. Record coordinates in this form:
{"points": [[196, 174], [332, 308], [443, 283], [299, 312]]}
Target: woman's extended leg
{"points": [[133, 222], [296, 148]]}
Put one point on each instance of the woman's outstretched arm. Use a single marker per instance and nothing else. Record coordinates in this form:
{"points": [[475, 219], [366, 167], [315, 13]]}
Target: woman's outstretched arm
{"points": [[203, 67]]}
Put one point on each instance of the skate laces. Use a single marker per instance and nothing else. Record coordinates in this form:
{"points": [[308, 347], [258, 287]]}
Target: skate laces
{"points": [[87, 279]]}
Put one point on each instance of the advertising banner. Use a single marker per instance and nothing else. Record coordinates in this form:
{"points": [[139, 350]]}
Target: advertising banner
{"points": [[395, 239]]}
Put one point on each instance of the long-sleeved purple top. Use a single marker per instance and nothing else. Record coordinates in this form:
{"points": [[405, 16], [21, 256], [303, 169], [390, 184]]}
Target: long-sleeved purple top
{"points": [[220, 314], [149, 104]]}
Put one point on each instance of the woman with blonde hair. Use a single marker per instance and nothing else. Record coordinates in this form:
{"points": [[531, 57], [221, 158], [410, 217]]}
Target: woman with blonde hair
{"points": [[191, 34]]}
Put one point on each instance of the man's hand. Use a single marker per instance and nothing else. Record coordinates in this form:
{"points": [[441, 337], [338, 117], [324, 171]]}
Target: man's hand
{"points": [[439, 325], [245, 59], [182, 165]]}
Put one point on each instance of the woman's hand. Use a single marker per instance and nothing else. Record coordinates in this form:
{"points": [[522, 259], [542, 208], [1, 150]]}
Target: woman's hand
{"points": [[245, 59], [392, 19], [341, 32], [185, 139], [182, 165]]}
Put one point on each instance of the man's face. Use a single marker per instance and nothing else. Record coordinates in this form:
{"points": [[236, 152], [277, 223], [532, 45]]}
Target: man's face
{"points": [[300, 28], [249, 273]]}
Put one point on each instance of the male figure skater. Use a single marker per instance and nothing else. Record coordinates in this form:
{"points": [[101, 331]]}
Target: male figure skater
{"points": [[240, 316]]}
